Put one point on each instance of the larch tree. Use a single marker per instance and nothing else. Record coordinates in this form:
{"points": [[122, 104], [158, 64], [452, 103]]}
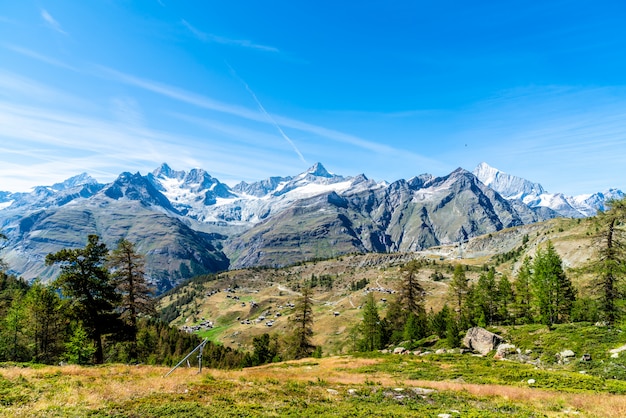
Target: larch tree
{"points": [[523, 293], [371, 328], [610, 265], [299, 341], [553, 290], [129, 277], [85, 281], [506, 299], [46, 322], [459, 288], [485, 297], [408, 306]]}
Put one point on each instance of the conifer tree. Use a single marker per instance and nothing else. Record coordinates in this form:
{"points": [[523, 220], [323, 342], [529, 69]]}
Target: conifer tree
{"points": [[458, 289], [439, 321], [409, 302], [13, 340], [610, 266], [506, 299], [46, 319], [485, 297], [553, 290], [129, 278], [523, 293], [371, 326], [299, 342], [85, 280]]}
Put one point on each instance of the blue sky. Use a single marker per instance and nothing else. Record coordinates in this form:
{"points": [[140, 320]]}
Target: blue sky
{"points": [[250, 89]]}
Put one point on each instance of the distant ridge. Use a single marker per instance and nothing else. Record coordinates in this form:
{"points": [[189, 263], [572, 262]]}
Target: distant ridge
{"points": [[190, 223]]}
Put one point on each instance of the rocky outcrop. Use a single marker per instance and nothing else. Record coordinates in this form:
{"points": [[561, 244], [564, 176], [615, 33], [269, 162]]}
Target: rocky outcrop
{"points": [[481, 340]]}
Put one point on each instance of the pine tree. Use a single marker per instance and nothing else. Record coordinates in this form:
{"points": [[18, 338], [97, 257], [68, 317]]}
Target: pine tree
{"points": [[439, 321], [506, 299], [80, 348], [458, 289], [486, 297], [410, 301], [13, 339], [299, 342], [610, 266], [523, 294], [371, 327], [553, 290], [46, 327], [129, 278], [85, 280]]}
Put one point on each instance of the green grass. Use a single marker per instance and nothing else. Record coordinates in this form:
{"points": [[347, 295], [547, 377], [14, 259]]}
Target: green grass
{"points": [[214, 334], [484, 370]]}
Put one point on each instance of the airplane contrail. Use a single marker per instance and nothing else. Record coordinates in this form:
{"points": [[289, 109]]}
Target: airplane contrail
{"points": [[267, 115]]}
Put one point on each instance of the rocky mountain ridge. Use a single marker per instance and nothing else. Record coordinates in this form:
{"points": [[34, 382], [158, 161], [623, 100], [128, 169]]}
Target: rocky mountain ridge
{"points": [[189, 223], [535, 196]]}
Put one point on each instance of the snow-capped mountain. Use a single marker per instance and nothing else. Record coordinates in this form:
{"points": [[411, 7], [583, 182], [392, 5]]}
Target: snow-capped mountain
{"points": [[198, 195], [190, 223], [535, 196]]}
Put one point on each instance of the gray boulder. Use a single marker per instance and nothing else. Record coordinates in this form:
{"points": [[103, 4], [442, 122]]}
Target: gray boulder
{"points": [[481, 340]]}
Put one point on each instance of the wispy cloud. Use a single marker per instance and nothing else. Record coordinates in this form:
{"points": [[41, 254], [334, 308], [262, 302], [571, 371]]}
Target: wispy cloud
{"points": [[40, 57], [243, 112], [267, 115], [127, 111], [52, 22], [207, 37]]}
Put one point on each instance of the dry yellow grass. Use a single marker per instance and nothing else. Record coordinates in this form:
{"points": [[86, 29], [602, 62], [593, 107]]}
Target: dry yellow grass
{"points": [[90, 388]]}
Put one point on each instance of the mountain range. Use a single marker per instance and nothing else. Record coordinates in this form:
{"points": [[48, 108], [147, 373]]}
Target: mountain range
{"points": [[190, 223]]}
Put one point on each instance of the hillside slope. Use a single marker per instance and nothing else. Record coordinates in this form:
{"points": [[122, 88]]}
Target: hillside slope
{"points": [[337, 296]]}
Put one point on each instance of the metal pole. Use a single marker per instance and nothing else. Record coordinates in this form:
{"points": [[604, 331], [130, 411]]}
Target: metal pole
{"points": [[200, 359], [187, 356]]}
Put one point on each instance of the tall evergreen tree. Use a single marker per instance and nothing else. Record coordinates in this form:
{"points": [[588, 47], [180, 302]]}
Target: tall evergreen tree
{"points": [[13, 341], [47, 323], [439, 320], [85, 280], [485, 297], [129, 278], [506, 299], [409, 302], [299, 342], [523, 294], [458, 289], [610, 266], [553, 290], [371, 327]]}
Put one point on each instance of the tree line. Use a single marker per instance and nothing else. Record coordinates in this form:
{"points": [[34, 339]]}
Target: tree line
{"points": [[540, 293], [99, 309]]}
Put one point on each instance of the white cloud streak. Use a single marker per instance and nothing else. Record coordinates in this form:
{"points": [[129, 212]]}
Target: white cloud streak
{"points": [[245, 113], [267, 115], [52, 23], [39, 57], [210, 38]]}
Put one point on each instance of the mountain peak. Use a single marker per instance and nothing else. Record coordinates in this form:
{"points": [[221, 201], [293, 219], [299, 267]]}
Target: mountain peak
{"points": [[74, 181], [509, 186], [165, 171], [318, 170]]}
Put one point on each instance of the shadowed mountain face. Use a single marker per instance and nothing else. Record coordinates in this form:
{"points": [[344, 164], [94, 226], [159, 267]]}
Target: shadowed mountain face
{"points": [[405, 216], [189, 223], [130, 208]]}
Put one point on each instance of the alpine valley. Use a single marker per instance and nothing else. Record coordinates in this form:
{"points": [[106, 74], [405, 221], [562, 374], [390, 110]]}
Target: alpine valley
{"points": [[190, 223]]}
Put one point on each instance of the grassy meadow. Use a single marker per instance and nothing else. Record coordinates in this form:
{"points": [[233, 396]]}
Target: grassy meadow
{"points": [[383, 385]]}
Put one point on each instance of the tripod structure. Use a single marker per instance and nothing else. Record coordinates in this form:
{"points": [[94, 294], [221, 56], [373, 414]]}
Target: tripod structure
{"points": [[199, 348]]}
